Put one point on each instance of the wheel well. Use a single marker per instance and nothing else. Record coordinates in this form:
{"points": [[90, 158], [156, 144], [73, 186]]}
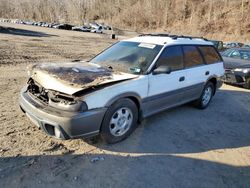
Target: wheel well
{"points": [[214, 82], [135, 100], [138, 105]]}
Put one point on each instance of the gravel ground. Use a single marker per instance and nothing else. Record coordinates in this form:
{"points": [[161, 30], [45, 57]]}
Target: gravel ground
{"points": [[182, 147]]}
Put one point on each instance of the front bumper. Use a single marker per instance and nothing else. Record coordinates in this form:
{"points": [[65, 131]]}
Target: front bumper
{"points": [[232, 77], [61, 124]]}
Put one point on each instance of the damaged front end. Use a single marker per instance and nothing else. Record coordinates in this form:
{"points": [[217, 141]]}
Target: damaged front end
{"points": [[63, 85], [59, 115], [55, 99]]}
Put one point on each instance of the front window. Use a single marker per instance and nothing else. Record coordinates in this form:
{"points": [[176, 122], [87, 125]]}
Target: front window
{"points": [[172, 57], [128, 57]]}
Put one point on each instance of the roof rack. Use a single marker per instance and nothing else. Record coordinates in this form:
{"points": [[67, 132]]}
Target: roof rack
{"points": [[174, 37]]}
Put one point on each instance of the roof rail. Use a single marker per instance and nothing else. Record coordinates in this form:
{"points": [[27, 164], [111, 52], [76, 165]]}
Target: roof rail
{"points": [[174, 37]]}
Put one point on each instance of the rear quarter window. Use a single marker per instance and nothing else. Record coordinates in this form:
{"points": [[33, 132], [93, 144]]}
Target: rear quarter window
{"points": [[210, 54]]}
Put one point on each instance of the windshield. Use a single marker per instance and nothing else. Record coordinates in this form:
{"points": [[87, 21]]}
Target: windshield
{"points": [[128, 57], [237, 54]]}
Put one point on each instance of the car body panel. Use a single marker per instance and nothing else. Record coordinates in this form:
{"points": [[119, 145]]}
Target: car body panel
{"points": [[137, 86]]}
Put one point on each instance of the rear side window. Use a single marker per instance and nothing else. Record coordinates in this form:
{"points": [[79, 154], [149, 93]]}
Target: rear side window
{"points": [[210, 55], [171, 56], [192, 56]]}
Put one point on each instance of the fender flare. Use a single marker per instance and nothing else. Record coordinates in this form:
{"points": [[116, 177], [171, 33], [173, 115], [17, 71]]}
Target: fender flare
{"points": [[124, 95]]}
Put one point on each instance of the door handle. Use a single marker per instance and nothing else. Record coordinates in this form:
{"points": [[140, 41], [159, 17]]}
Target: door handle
{"points": [[207, 73], [181, 79]]}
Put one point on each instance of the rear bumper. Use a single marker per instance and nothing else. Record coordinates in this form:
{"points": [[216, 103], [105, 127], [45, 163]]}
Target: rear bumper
{"points": [[62, 124]]}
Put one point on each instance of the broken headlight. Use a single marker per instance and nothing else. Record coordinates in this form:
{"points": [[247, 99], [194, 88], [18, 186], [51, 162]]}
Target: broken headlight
{"points": [[66, 103]]}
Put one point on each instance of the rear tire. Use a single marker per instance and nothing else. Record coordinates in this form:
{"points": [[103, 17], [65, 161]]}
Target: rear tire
{"points": [[206, 96], [119, 121]]}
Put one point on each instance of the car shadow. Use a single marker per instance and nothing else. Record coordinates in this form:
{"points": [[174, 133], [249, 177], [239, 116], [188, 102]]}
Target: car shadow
{"points": [[109, 170], [235, 85], [23, 32], [185, 129]]}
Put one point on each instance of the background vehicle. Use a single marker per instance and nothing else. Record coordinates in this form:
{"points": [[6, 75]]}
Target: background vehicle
{"points": [[63, 26], [246, 46], [237, 65], [28, 22], [81, 28], [233, 45], [98, 29]]}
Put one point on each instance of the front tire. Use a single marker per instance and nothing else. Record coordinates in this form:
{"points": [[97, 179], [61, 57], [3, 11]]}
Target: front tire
{"points": [[247, 84], [119, 121], [206, 96]]}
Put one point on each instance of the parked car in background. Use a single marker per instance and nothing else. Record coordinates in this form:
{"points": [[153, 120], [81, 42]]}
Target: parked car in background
{"points": [[81, 28], [105, 27], [237, 66], [45, 24], [246, 46], [28, 22], [234, 45], [53, 25], [98, 29], [127, 82], [63, 26], [37, 23], [95, 25]]}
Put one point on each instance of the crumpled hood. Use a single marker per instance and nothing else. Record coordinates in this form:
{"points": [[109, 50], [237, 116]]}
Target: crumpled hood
{"points": [[70, 78], [232, 63]]}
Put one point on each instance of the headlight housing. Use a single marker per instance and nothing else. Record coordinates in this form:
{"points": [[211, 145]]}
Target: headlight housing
{"points": [[244, 70], [72, 106], [57, 100]]}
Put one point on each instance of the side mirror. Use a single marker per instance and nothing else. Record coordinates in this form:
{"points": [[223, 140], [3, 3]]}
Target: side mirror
{"points": [[162, 70]]}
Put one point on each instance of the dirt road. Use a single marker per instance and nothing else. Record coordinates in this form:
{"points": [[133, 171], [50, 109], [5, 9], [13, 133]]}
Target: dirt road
{"points": [[182, 147]]}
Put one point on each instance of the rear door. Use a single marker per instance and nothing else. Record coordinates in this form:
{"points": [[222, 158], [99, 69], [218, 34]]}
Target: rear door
{"points": [[201, 63], [196, 71]]}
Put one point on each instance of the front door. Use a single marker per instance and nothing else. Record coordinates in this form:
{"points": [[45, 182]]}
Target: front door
{"points": [[166, 90]]}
